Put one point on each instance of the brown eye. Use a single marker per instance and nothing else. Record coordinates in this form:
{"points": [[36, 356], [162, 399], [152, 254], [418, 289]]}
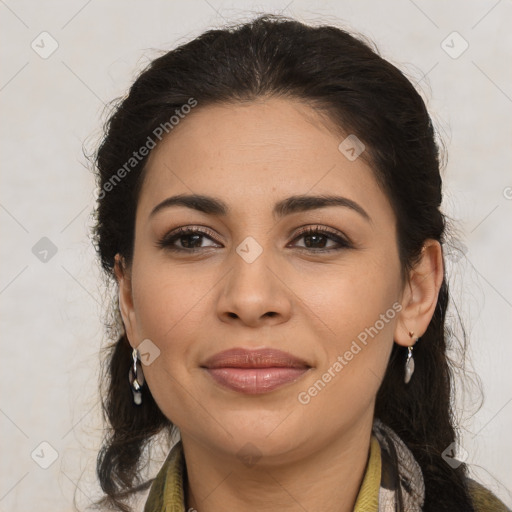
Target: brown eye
{"points": [[186, 239], [317, 240]]}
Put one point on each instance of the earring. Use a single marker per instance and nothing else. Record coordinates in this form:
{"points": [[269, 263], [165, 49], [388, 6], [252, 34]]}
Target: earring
{"points": [[409, 363], [136, 378]]}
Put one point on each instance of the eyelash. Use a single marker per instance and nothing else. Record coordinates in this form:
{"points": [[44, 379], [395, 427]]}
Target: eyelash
{"points": [[167, 241]]}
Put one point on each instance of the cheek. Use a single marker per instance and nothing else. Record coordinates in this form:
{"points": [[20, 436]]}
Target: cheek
{"points": [[355, 350], [167, 300], [170, 312], [355, 311], [348, 300]]}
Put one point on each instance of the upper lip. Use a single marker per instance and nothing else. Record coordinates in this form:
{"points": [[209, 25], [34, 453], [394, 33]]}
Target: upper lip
{"points": [[254, 358]]}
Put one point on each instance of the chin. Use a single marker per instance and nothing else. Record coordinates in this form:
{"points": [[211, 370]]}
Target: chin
{"points": [[252, 439]]}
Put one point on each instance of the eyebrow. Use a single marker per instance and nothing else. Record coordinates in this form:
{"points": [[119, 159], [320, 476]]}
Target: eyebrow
{"points": [[294, 204]]}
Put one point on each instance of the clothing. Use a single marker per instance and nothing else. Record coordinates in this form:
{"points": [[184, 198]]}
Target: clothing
{"points": [[391, 472]]}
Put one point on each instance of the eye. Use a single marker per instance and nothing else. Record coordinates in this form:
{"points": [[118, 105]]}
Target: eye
{"points": [[189, 239], [317, 239]]}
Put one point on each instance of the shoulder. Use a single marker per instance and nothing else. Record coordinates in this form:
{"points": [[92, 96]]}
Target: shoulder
{"points": [[483, 499]]}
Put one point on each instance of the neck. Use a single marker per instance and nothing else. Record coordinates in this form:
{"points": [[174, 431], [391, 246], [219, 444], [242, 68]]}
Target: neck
{"points": [[328, 478]]}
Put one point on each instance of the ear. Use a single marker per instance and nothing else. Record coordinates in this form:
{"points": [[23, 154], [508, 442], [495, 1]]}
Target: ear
{"points": [[123, 276], [419, 298]]}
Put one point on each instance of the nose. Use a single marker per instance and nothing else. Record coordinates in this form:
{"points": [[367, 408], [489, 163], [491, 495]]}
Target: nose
{"points": [[254, 293]]}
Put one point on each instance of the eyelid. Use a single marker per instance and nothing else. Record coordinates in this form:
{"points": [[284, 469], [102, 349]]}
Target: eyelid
{"points": [[322, 229]]}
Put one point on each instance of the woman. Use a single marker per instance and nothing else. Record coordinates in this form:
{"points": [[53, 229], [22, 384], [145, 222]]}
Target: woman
{"points": [[269, 206]]}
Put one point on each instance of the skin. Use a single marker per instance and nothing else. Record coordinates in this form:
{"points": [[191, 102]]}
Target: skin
{"points": [[310, 303]]}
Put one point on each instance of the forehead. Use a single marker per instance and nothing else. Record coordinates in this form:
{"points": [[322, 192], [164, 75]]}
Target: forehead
{"points": [[252, 152]]}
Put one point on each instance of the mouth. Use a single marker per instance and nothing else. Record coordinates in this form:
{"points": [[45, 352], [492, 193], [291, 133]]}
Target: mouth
{"points": [[254, 371]]}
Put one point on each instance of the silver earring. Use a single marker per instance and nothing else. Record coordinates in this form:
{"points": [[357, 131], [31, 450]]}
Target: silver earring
{"points": [[409, 363], [136, 378]]}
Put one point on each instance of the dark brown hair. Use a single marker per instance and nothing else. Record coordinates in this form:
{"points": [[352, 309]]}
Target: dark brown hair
{"points": [[344, 78]]}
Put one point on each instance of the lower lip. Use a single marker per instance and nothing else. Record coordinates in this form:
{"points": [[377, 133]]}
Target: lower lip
{"points": [[254, 381]]}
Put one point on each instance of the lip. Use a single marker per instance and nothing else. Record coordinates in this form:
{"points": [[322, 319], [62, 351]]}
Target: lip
{"points": [[254, 371]]}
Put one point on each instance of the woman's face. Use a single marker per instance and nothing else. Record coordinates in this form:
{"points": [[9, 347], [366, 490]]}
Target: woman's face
{"points": [[250, 278]]}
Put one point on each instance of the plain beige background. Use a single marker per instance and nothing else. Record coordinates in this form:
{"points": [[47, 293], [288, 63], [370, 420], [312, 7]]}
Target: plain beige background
{"points": [[61, 61]]}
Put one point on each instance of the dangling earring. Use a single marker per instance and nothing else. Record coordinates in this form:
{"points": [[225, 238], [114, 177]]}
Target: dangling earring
{"points": [[136, 378], [409, 363]]}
